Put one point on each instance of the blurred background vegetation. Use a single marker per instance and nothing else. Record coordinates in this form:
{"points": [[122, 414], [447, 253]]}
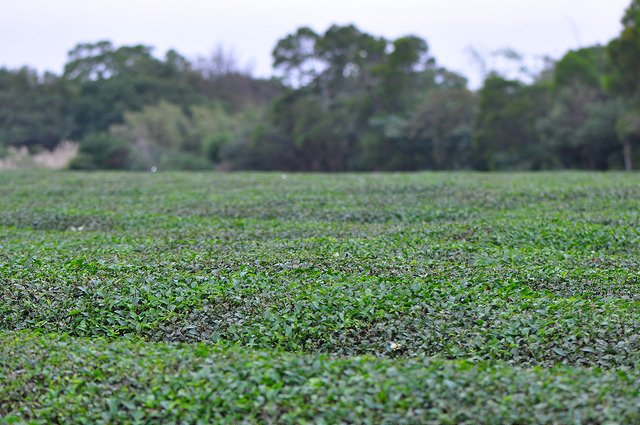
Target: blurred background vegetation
{"points": [[344, 100]]}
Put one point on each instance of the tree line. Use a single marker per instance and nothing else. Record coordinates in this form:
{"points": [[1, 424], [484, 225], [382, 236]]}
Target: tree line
{"points": [[344, 100]]}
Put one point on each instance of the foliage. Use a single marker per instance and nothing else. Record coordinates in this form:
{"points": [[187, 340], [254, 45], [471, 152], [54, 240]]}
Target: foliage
{"points": [[351, 98], [444, 123], [220, 78], [75, 380], [102, 151], [586, 67], [344, 100], [505, 133], [33, 110], [163, 136], [112, 81], [511, 296], [624, 52], [579, 127]]}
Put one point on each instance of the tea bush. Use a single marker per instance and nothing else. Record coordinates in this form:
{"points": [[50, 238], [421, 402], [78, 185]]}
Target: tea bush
{"points": [[367, 298]]}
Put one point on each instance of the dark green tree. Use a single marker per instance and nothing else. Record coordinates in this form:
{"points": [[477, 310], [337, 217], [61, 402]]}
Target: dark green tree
{"points": [[443, 123], [401, 73], [330, 96], [350, 97], [33, 109], [111, 81], [573, 132], [506, 135], [102, 151], [624, 79]]}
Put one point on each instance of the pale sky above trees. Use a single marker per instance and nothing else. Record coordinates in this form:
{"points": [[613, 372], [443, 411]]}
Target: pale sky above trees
{"points": [[40, 32]]}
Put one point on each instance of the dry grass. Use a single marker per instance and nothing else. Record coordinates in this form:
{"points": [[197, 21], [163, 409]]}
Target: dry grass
{"points": [[55, 159]]}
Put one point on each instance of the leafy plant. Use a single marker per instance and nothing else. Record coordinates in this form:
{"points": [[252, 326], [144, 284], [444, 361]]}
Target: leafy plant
{"points": [[304, 297]]}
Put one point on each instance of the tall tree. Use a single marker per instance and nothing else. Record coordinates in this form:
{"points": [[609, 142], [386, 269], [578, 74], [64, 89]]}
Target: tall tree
{"points": [[443, 123], [351, 94], [505, 132], [295, 56], [577, 131], [331, 80], [33, 109], [221, 79], [401, 71], [114, 80], [624, 80]]}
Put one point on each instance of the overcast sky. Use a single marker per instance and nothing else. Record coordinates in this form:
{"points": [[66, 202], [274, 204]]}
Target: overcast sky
{"points": [[40, 32]]}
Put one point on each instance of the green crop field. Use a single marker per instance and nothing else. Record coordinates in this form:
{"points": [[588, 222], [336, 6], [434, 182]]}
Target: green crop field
{"points": [[357, 298]]}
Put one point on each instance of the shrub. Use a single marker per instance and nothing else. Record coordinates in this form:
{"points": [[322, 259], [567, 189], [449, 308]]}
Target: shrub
{"points": [[101, 151]]}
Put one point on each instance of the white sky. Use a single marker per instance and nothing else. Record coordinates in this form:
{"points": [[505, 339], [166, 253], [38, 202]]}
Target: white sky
{"points": [[40, 32]]}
